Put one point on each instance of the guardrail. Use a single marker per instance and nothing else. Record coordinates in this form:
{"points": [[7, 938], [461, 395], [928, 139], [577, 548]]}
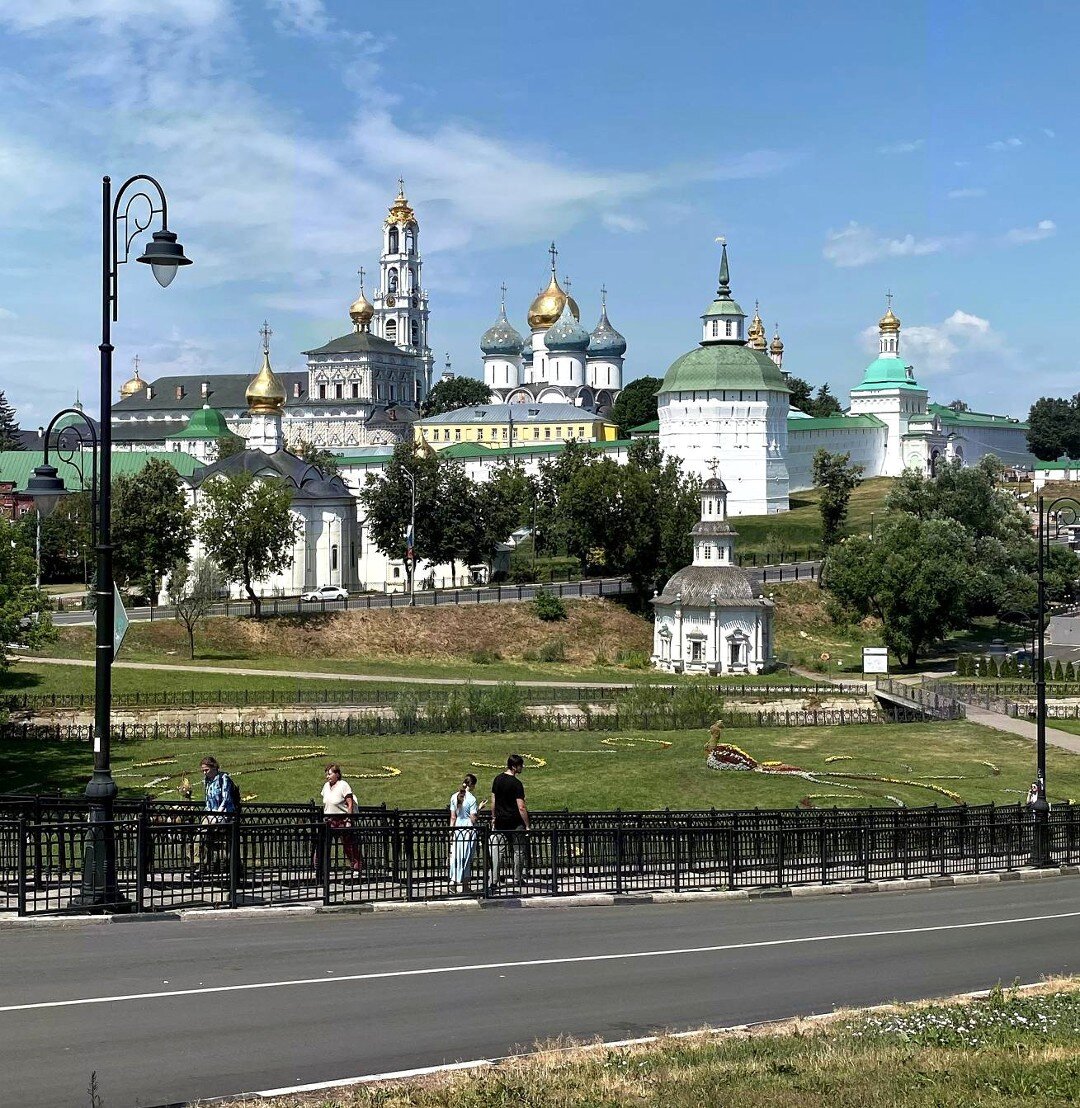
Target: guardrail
{"points": [[167, 857], [932, 701]]}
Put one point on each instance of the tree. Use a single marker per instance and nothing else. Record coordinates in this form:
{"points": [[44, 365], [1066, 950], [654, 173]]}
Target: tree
{"points": [[151, 525], [824, 403], [9, 428], [228, 445], [1054, 428], [193, 590], [247, 527], [803, 398], [837, 479], [504, 503], [24, 615], [325, 461], [636, 404], [914, 576], [65, 539], [455, 392], [959, 406]]}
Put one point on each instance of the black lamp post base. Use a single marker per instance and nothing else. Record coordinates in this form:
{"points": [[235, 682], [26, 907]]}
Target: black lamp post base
{"points": [[1040, 834], [100, 891]]}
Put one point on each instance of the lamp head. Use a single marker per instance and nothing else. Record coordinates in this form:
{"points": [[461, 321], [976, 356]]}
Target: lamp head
{"points": [[46, 488], [164, 255]]}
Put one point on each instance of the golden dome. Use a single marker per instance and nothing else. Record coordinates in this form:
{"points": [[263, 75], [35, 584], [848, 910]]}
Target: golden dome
{"points": [[361, 310], [400, 211], [132, 386], [755, 333], [889, 322], [548, 306], [777, 344], [266, 393]]}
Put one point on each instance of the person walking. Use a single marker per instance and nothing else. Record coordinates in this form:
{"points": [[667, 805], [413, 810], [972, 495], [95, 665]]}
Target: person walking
{"points": [[463, 815], [339, 803], [510, 822], [222, 803]]}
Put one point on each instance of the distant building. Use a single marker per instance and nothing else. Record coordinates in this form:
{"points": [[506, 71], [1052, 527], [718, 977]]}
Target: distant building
{"points": [[495, 425]]}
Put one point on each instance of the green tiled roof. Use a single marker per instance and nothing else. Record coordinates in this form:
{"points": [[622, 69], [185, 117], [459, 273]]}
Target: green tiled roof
{"points": [[974, 419], [646, 428], [1061, 463], [832, 423], [18, 466], [723, 366], [205, 423], [722, 307], [886, 372]]}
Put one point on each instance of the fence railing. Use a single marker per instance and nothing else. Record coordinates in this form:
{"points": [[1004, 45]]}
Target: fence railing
{"points": [[167, 857], [932, 701], [364, 696]]}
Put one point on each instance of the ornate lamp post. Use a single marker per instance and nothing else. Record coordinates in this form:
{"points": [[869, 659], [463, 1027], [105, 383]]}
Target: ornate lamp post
{"points": [[138, 202], [1068, 507]]}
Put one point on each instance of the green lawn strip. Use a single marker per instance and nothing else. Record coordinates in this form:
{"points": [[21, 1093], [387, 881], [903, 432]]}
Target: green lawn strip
{"points": [[632, 770], [1014, 1049], [783, 534]]}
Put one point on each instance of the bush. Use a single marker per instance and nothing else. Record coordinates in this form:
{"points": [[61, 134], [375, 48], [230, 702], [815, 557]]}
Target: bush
{"points": [[632, 659], [696, 706], [496, 708], [548, 606], [645, 706], [484, 656], [407, 710], [554, 650]]}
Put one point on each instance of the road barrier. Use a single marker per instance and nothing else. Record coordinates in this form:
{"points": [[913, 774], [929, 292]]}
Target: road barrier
{"points": [[168, 858]]}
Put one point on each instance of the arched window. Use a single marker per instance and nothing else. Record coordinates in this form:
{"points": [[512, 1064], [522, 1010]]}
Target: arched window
{"points": [[391, 280], [333, 558], [392, 241], [410, 240], [715, 328], [414, 333], [391, 330]]}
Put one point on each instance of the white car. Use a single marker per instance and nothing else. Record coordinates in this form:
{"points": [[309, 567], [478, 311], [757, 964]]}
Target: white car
{"points": [[326, 592]]}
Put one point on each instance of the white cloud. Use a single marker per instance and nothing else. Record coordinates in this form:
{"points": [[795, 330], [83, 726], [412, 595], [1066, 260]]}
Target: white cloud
{"points": [[1005, 144], [1018, 236], [857, 245], [616, 221], [961, 343], [966, 194], [301, 17], [902, 147], [36, 15], [1049, 133]]}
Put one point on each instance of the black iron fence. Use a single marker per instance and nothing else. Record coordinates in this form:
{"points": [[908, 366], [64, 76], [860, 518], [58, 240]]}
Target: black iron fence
{"points": [[169, 857], [361, 696], [932, 701]]}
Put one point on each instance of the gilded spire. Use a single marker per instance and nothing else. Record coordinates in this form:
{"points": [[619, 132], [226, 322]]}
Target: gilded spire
{"points": [[266, 393], [134, 384], [755, 333], [548, 305], [361, 309], [400, 211], [777, 344], [889, 323]]}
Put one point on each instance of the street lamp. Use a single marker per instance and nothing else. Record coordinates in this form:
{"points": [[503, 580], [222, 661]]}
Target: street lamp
{"points": [[1040, 843], [410, 544], [139, 200]]}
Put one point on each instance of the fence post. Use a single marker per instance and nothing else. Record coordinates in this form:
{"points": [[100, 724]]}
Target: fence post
{"points": [[555, 861], [20, 855], [408, 833], [677, 855], [619, 859], [322, 838], [142, 856], [234, 859]]}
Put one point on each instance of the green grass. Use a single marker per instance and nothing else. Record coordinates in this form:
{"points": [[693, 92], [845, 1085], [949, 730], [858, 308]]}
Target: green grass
{"points": [[1015, 1049], [630, 770], [799, 529]]}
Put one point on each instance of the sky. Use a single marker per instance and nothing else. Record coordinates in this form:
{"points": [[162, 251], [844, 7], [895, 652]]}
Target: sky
{"points": [[843, 150]]}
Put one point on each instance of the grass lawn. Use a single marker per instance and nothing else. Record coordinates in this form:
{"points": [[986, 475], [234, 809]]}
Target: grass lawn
{"points": [[799, 530], [586, 770], [1015, 1048]]}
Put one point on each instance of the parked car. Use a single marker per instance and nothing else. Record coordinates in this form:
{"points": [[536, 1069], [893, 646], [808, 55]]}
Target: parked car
{"points": [[326, 592]]}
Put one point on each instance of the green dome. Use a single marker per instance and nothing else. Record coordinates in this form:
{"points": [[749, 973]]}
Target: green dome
{"points": [[719, 366], [887, 372], [205, 423]]}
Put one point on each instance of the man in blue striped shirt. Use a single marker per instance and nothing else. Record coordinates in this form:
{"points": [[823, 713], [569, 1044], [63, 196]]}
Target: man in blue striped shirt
{"points": [[220, 804]]}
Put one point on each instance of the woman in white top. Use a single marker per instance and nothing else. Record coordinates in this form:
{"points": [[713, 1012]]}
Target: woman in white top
{"points": [[338, 804], [463, 811]]}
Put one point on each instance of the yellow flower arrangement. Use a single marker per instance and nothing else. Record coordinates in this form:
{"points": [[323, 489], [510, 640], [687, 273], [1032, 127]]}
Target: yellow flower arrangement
{"points": [[837, 758], [533, 760], [301, 757], [629, 743], [168, 761], [390, 771]]}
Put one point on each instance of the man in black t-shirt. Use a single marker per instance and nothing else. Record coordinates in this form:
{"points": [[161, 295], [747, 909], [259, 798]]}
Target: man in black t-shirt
{"points": [[509, 820]]}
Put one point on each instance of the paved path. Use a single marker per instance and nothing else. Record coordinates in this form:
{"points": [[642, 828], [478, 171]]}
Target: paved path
{"points": [[168, 1011]]}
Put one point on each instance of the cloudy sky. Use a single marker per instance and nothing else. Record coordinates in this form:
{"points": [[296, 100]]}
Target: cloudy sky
{"points": [[842, 148]]}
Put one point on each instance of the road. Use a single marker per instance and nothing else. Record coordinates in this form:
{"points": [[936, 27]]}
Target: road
{"points": [[167, 1011]]}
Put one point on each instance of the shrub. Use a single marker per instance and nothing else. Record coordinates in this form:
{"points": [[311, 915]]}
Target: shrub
{"points": [[1070, 672], [554, 650], [407, 712], [632, 659], [548, 606], [695, 706], [645, 706], [495, 708], [484, 656], [1057, 670]]}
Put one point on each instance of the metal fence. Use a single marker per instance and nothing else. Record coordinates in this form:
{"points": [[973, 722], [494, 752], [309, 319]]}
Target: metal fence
{"points": [[168, 858], [361, 696], [932, 701]]}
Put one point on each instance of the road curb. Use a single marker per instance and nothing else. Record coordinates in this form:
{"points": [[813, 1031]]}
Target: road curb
{"points": [[10, 922]]}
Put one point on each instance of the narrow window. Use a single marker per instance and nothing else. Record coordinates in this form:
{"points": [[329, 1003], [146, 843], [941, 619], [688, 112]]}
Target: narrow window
{"points": [[333, 558], [322, 392], [715, 328], [338, 391]]}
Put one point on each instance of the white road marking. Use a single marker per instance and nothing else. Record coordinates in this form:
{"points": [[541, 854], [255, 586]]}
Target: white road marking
{"points": [[532, 962]]}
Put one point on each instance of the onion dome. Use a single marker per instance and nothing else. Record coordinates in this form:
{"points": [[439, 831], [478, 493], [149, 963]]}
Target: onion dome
{"points": [[605, 341], [755, 333], [133, 385], [400, 211], [777, 344], [266, 393], [714, 485], [501, 337], [548, 306], [361, 310], [526, 351], [889, 322], [566, 333]]}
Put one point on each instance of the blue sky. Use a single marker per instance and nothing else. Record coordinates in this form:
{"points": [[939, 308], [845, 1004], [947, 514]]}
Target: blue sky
{"points": [[842, 149]]}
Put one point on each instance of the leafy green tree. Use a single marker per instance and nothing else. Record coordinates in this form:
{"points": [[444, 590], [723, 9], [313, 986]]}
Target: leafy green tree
{"points": [[1054, 428], [959, 406], [24, 615], [453, 393], [9, 427], [504, 503], [325, 461], [152, 526], [636, 404], [228, 445], [824, 403], [193, 591], [915, 577], [837, 479], [247, 527]]}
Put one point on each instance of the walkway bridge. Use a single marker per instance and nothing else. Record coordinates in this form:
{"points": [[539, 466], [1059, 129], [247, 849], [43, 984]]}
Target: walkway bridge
{"points": [[930, 703]]}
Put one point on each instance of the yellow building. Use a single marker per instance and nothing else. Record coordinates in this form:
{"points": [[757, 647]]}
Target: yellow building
{"points": [[514, 425]]}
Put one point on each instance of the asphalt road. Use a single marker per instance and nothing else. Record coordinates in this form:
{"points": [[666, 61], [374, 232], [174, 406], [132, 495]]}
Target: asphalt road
{"points": [[168, 1011]]}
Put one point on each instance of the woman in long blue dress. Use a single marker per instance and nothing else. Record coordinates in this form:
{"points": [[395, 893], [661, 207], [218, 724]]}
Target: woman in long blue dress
{"points": [[463, 813]]}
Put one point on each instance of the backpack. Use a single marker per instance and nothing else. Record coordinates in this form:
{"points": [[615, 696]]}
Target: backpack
{"points": [[234, 794]]}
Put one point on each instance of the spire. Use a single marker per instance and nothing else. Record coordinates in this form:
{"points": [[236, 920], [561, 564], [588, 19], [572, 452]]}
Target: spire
{"points": [[554, 254], [776, 347], [755, 333], [723, 292], [361, 309], [265, 331]]}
